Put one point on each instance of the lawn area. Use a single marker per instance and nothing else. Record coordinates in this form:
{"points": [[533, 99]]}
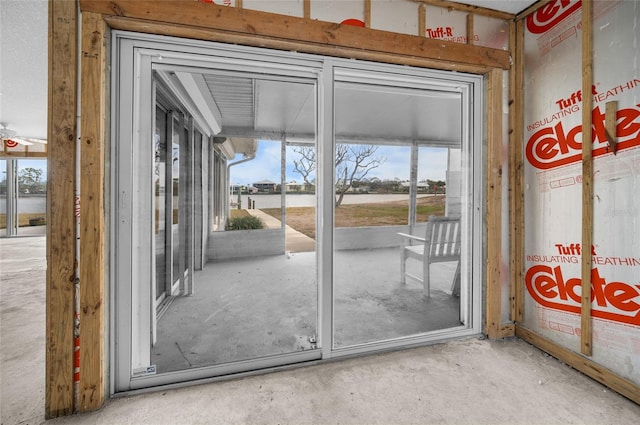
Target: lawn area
{"points": [[24, 219], [238, 213], [303, 219]]}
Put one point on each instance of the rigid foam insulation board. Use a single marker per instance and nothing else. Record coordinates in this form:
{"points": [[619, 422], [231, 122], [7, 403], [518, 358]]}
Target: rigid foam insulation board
{"points": [[351, 12], [395, 16], [282, 7], [553, 181]]}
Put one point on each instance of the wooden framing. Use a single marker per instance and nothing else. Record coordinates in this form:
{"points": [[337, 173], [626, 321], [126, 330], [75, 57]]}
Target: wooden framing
{"points": [[367, 13], [586, 346], [194, 20], [477, 10], [493, 208], [61, 135], [24, 154], [576, 360], [516, 171], [422, 20], [582, 364], [306, 9], [494, 327], [470, 29], [199, 19], [92, 232], [611, 121]]}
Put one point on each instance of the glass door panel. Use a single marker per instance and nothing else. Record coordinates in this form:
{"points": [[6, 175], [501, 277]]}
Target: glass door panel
{"points": [[23, 197], [175, 202], [385, 144], [256, 292], [262, 205], [160, 207]]}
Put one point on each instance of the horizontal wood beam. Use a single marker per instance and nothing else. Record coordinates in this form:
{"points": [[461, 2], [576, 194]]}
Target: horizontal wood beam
{"points": [[582, 364], [23, 154], [197, 18], [137, 25]]}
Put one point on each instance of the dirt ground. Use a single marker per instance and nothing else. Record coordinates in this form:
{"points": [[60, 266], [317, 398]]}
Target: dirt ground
{"points": [[303, 219]]}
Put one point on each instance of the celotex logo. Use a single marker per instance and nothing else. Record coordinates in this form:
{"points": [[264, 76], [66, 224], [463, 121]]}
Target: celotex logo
{"points": [[616, 301], [551, 14], [556, 145]]}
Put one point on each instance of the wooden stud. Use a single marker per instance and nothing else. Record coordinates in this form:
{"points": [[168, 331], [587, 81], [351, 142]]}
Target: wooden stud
{"points": [[422, 20], [611, 120], [307, 9], [494, 204], [367, 13], [208, 17], [587, 177], [470, 29], [582, 364], [516, 170], [92, 232], [61, 137]]}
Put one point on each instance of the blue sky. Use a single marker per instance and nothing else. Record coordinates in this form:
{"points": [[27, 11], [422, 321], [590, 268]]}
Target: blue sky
{"points": [[432, 164], [25, 163]]}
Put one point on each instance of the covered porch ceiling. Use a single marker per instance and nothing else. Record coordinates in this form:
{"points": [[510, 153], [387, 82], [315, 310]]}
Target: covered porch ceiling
{"points": [[240, 108]]}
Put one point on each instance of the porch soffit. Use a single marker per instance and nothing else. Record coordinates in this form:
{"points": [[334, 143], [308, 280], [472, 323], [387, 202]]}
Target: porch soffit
{"points": [[271, 109]]}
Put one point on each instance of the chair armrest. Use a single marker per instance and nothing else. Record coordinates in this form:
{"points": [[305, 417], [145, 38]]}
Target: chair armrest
{"points": [[412, 237]]}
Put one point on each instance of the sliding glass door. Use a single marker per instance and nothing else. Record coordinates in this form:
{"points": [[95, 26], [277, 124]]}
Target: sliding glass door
{"points": [[392, 177], [273, 208]]}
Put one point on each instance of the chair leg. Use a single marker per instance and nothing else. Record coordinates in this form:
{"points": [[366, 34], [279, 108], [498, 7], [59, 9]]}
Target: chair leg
{"points": [[426, 279], [403, 267], [455, 287]]}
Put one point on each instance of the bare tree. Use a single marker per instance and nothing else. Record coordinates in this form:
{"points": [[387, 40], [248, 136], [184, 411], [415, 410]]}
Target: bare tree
{"points": [[305, 165], [29, 179], [352, 163]]}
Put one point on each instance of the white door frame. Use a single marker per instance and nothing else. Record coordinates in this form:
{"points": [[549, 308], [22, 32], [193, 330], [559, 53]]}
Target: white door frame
{"points": [[134, 58]]}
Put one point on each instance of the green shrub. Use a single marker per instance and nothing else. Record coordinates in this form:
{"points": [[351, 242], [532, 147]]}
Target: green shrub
{"points": [[248, 222]]}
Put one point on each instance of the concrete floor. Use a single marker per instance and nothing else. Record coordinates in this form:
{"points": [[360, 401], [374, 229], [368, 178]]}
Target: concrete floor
{"points": [[462, 382], [261, 306]]}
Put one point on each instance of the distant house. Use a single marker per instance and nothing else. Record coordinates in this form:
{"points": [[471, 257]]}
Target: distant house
{"points": [[265, 186], [420, 186], [294, 186], [243, 189]]}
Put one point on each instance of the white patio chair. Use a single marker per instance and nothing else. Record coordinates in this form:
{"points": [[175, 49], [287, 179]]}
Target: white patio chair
{"points": [[442, 240]]}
